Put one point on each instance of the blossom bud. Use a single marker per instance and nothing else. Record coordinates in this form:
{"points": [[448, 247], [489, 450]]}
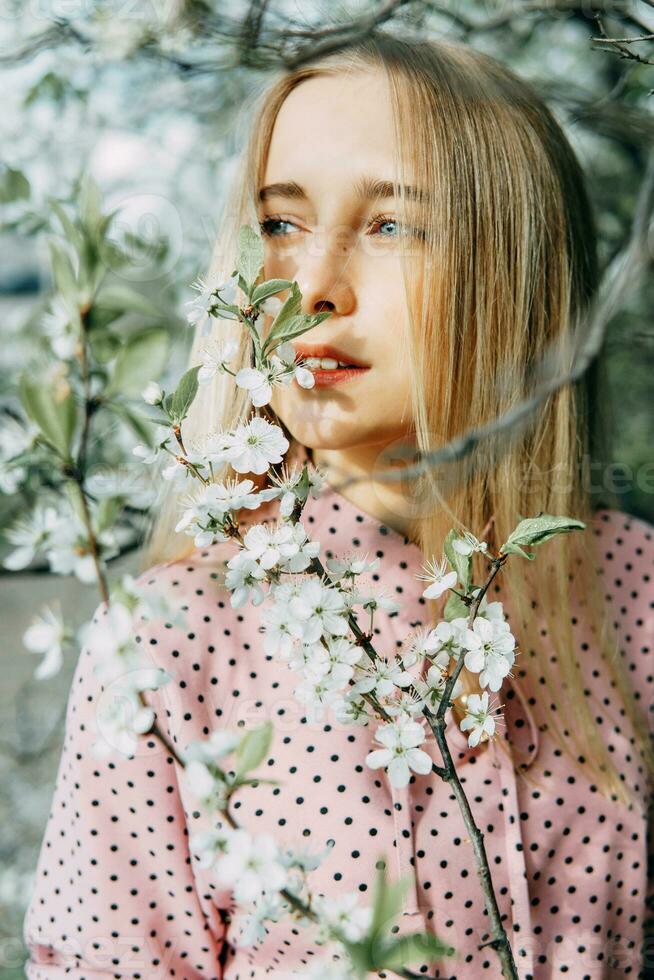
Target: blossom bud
{"points": [[153, 394]]}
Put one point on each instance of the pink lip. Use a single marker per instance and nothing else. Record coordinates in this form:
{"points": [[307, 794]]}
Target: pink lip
{"points": [[326, 350], [327, 379]]}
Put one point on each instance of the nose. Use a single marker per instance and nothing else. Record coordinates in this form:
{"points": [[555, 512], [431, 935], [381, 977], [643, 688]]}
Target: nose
{"points": [[325, 281]]}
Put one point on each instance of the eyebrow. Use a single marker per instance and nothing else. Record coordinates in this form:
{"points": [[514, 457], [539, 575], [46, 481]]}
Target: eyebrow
{"points": [[366, 188]]}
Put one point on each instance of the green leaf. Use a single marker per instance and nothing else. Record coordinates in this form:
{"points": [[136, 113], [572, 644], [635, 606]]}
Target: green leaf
{"points": [[269, 288], [70, 229], [387, 901], [57, 420], [14, 185], [536, 530], [107, 513], [461, 564], [294, 328], [167, 406], [417, 948], [250, 258], [104, 345], [291, 310], [63, 273], [455, 608], [253, 749], [510, 548], [140, 360], [137, 423], [122, 299], [380, 949], [183, 396], [90, 203]]}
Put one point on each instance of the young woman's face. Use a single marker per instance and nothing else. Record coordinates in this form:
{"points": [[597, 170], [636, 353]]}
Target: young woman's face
{"points": [[343, 248]]}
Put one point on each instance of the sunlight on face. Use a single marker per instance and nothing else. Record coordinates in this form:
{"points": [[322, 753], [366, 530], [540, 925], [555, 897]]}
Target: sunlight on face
{"points": [[332, 136]]}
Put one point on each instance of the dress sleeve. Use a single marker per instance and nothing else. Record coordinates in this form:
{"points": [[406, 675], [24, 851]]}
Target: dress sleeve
{"points": [[115, 892], [628, 549]]}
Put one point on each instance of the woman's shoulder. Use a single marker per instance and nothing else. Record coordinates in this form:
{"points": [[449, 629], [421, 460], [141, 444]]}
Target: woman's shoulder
{"points": [[626, 565], [625, 545], [205, 565], [186, 618], [610, 520]]}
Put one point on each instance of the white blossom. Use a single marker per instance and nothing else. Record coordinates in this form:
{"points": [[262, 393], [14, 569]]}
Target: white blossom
{"points": [[271, 305], [280, 628], [58, 326], [69, 551], [177, 473], [303, 376], [373, 600], [258, 383], [284, 485], [250, 866], [198, 308], [209, 845], [343, 917], [477, 718], [214, 357], [152, 394], [249, 925], [318, 694], [382, 677], [254, 445], [243, 579], [468, 544], [309, 660], [406, 704], [147, 454], [441, 580], [120, 722], [117, 656], [490, 646], [446, 640], [351, 709], [30, 534], [432, 687], [400, 754], [317, 609], [209, 787], [350, 566], [281, 545], [46, 635], [490, 610], [15, 438], [204, 509]]}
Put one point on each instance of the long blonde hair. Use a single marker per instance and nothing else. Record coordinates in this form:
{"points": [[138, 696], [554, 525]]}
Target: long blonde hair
{"points": [[510, 269]]}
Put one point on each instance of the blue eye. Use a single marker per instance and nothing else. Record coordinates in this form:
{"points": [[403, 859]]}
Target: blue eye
{"points": [[267, 226], [382, 220], [388, 221]]}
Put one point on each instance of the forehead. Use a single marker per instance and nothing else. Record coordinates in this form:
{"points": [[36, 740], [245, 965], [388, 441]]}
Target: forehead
{"points": [[333, 127]]}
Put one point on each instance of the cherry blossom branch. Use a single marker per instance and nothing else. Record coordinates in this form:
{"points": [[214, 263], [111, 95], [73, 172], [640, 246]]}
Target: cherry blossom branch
{"points": [[448, 773]]}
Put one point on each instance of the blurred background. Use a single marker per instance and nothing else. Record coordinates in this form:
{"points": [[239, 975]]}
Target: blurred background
{"points": [[149, 100]]}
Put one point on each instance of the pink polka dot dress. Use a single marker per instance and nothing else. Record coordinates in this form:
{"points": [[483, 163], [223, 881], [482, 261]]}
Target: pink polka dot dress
{"points": [[119, 893]]}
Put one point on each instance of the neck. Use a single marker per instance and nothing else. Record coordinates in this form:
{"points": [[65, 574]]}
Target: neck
{"points": [[389, 501]]}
